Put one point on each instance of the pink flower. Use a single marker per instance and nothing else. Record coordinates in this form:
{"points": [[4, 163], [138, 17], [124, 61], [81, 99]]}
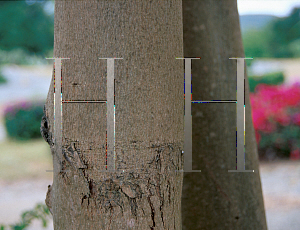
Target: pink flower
{"points": [[270, 103], [8, 109], [282, 117], [296, 119], [11, 108], [295, 154], [258, 137], [292, 95], [258, 117], [260, 121], [24, 104]]}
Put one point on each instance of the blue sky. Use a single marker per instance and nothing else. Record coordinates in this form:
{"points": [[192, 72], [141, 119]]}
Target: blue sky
{"points": [[280, 8]]}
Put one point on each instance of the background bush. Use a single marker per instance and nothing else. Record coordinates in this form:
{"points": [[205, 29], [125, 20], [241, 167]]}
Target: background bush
{"points": [[40, 212], [26, 25], [23, 120], [275, 78], [276, 120], [279, 38], [2, 79]]}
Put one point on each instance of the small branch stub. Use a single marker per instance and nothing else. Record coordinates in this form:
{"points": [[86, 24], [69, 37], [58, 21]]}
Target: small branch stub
{"points": [[48, 199], [45, 130]]}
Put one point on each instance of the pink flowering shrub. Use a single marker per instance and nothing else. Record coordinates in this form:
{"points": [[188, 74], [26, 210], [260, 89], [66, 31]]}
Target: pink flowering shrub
{"points": [[13, 107], [22, 120], [276, 119]]}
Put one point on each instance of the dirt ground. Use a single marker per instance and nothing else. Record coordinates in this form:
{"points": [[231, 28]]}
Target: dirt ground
{"points": [[280, 183], [19, 196], [281, 190]]}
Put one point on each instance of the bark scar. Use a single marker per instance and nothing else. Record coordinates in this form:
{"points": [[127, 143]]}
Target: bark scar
{"points": [[48, 199], [45, 130], [72, 155], [151, 206]]}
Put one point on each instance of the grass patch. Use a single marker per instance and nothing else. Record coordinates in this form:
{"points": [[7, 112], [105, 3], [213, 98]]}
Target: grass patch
{"points": [[25, 160]]}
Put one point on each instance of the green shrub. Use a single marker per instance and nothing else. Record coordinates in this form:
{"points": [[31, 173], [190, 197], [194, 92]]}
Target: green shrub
{"points": [[40, 212], [281, 141], [2, 79], [23, 120], [275, 78]]}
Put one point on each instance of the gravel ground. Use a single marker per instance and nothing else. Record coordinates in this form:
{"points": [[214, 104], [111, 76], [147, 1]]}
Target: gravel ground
{"points": [[280, 183], [281, 190]]}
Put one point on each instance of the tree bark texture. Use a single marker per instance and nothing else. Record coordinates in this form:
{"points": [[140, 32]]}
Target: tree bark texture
{"points": [[215, 198], [148, 115]]}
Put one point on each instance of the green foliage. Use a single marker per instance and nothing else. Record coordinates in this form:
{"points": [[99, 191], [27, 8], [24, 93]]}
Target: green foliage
{"points": [[249, 62], [23, 120], [40, 212], [294, 48], [285, 31], [281, 141], [278, 39], [256, 43], [26, 26], [2, 79], [275, 78]]}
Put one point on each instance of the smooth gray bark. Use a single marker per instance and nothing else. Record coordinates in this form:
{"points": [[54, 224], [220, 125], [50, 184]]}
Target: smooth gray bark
{"points": [[216, 199]]}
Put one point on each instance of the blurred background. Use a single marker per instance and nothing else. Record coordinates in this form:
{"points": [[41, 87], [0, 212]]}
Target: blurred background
{"points": [[271, 35]]}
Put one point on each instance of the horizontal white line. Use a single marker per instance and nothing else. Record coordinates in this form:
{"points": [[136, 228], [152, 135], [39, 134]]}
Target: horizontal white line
{"points": [[83, 101], [58, 57], [188, 57], [239, 57], [213, 101], [110, 58]]}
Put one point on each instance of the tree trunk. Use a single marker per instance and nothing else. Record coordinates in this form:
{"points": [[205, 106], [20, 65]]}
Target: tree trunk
{"points": [[215, 198], [148, 115]]}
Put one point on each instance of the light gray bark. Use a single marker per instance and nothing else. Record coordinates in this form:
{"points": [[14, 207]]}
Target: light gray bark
{"points": [[216, 199], [148, 110]]}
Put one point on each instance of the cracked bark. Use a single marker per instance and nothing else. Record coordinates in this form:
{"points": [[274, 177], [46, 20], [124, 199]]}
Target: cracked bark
{"points": [[149, 115], [215, 198]]}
